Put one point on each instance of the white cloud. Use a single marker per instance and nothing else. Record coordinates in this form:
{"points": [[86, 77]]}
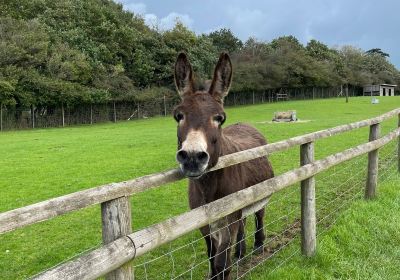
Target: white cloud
{"points": [[137, 8], [153, 21], [247, 22], [170, 20]]}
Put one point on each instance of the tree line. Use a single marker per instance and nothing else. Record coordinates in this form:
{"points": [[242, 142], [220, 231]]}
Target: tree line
{"points": [[73, 52]]}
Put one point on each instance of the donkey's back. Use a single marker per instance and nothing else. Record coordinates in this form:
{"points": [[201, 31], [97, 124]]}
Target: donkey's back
{"points": [[243, 137]]}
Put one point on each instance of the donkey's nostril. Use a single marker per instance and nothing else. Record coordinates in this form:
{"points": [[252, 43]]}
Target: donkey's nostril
{"points": [[182, 156], [192, 159], [202, 157]]}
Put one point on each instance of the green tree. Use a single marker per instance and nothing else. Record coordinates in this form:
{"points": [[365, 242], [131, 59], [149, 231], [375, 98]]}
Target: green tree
{"points": [[6, 93], [224, 40], [286, 42], [75, 51], [69, 64], [378, 52], [319, 50], [23, 43]]}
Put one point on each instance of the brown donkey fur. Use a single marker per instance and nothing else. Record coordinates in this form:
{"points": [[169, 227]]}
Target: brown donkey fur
{"points": [[201, 141]]}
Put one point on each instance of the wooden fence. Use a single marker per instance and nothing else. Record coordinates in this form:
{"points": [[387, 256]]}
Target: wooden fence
{"points": [[121, 245]]}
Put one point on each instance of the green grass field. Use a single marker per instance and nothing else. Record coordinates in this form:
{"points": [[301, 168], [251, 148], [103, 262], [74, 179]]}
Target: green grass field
{"points": [[39, 164]]}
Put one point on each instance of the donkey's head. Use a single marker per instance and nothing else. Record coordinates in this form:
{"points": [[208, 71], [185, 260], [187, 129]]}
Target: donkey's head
{"points": [[200, 116]]}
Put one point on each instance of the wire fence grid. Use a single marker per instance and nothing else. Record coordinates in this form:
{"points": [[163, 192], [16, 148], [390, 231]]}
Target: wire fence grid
{"points": [[336, 189]]}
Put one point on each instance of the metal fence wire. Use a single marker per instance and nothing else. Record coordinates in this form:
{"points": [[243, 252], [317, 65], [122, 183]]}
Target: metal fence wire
{"points": [[186, 257]]}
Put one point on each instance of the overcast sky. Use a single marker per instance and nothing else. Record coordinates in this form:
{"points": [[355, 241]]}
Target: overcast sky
{"points": [[362, 23]]}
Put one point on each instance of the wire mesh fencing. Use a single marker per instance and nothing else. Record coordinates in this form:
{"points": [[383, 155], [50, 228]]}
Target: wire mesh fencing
{"points": [[336, 189], [58, 116]]}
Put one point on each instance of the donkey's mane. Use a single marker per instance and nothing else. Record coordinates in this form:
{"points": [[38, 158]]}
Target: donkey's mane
{"points": [[204, 85]]}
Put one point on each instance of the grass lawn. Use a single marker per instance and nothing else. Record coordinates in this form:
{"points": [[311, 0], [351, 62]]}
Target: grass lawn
{"points": [[39, 164]]}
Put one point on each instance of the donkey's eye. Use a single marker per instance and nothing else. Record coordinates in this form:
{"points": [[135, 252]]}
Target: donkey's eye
{"points": [[220, 119], [178, 116]]}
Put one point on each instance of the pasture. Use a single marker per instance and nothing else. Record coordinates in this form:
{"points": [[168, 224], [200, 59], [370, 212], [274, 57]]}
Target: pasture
{"points": [[40, 164]]}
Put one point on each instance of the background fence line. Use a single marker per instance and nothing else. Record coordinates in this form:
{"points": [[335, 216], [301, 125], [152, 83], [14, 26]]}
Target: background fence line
{"points": [[12, 118]]}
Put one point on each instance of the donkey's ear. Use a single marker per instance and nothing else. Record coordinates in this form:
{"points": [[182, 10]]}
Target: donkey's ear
{"points": [[183, 75], [222, 78]]}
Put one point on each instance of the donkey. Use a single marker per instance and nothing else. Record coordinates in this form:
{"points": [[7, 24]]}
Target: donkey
{"points": [[201, 141]]}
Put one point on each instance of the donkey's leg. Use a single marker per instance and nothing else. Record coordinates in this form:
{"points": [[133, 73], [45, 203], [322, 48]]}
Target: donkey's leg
{"points": [[223, 260], [241, 239], [211, 249], [259, 236]]}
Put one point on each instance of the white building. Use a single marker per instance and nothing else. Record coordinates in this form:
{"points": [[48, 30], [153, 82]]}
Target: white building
{"points": [[379, 90]]}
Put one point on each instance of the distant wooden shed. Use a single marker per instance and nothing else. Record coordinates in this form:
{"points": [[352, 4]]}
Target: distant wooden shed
{"points": [[379, 90]]}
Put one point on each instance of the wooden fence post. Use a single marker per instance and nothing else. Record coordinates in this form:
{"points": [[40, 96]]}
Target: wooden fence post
{"points": [[372, 176], [398, 147], [33, 116], [308, 215], [165, 107], [117, 222], [91, 113], [1, 116], [115, 112], [63, 114]]}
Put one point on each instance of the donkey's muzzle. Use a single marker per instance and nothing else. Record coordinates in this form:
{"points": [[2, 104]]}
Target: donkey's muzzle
{"points": [[193, 164]]}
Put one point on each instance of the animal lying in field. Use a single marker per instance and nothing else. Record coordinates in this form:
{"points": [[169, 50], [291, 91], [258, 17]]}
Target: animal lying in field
{"points": [[201, 141]]}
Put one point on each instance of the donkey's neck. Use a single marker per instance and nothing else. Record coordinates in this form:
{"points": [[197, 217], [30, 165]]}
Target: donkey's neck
{"points": [[228, 146]]}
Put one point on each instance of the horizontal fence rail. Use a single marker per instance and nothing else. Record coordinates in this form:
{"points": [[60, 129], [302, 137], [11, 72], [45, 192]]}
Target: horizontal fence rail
{"points": [[51, 208], [115, 254]]}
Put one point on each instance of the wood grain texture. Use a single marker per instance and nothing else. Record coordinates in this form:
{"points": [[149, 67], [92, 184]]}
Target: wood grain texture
{"points": [[94, 264], [57, 206], [117, 222], [373, 157], [308, 211]]}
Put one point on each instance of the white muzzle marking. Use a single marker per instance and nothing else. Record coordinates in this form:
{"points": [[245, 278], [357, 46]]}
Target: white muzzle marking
{"points": [[195, 142]]}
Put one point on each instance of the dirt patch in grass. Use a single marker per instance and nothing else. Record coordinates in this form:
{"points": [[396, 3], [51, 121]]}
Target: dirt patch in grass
{"points": [[293, 122]]}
